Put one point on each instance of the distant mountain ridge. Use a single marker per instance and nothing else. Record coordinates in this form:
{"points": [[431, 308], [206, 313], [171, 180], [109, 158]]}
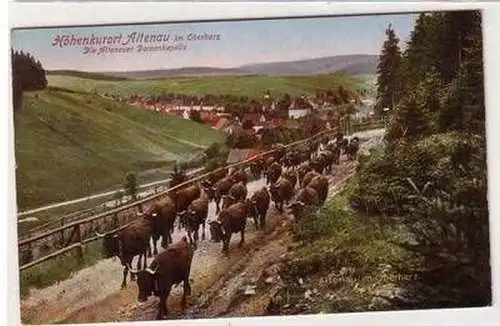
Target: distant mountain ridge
{"points": [[348, 64]]}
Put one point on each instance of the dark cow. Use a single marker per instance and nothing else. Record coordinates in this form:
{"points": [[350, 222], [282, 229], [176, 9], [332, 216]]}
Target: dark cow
{"points": [[318, 163], [231, 220], [352, 148], [216, 176], [221, 188], [320, 184], [308, 177], [328, 159], [256, 168], [239, 175], [128, 243], [195, 216], [281, 192], [185, 196], [302, 171], [291, 159], [273, 173], [280, 151], [260, 204], [307, 197], [269, 161], [238, 192], [344, 143], [336, 150], [163, 215], [171, 267], [290, 176]]}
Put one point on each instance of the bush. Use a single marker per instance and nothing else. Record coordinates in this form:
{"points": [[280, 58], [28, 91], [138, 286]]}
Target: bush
{"points": [[437, 188]]}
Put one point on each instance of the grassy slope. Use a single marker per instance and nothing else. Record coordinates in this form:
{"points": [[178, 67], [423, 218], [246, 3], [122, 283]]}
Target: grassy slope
{"points": [[344, 258], [84, 74], [72, 144], [252, 86]]}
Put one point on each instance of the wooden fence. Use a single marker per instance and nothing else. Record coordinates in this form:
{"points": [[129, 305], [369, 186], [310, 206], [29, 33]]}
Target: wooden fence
{"points": [[75, 235]]}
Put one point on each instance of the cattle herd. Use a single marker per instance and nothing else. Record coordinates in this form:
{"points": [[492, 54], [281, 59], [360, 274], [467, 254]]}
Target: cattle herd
{"points": [[294, 177]]}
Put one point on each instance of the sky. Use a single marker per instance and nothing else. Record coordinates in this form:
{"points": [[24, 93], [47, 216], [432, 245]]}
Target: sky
{"points": [[239, 43]]}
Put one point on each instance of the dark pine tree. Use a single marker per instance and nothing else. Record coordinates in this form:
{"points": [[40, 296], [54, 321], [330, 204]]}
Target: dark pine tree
{"points": [[388, 78], [27, 75]]}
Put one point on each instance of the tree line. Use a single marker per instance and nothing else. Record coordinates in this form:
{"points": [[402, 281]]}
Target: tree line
{"points": [[430, 181], [27, 75]]}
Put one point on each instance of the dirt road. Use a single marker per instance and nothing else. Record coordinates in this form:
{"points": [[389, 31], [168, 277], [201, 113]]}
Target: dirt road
{"points": [[219, 283]]}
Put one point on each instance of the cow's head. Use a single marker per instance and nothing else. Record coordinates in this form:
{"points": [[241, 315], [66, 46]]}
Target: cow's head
{"points": [[252, 210], [146, 283], [111, 245], [210, 191], [215, 230], [182, 215], [228, 200], [274, 190], [191, 217], [297, 208]]}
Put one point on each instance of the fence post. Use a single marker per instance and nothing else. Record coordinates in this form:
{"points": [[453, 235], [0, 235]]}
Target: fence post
{"points": [[79, 249], [115, 221], [62, 232]]}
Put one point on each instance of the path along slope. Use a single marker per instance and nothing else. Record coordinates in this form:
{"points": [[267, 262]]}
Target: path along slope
{"points": [[93, 294]]}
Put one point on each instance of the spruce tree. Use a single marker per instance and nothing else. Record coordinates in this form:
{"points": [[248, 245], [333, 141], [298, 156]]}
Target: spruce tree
{"points": [[388, 79]]}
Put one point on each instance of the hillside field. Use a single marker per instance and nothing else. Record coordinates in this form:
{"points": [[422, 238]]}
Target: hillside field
{"points": [[252, 86], [69, 145]]}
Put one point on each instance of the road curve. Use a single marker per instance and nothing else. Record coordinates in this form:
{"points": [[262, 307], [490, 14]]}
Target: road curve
{"points": [[93, 294]]}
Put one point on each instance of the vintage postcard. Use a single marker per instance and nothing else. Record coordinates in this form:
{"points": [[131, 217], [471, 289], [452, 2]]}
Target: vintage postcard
{"points": [[264, 167]]}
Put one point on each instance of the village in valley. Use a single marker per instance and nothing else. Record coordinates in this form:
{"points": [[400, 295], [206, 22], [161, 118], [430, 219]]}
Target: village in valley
{"points": [[256, 118]]}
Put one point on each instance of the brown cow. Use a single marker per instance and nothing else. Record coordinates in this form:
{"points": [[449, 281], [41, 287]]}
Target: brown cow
{"points": [[318, 163], [290, 176], [308, 177], [260, 204], [306, 197], [184, 197], [239, 175], [256, 168], [231, 220], [195, 216], [238, 192], [221, 188], [128, 243], [269, 161], [303, 169], [163, 214], [273, 173], [320, 184], [217, 175], [328, 159], [171, 267], [281, 192]]}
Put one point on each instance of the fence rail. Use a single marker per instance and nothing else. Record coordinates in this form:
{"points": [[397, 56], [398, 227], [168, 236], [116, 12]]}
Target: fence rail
{"points": [[74, 235]]}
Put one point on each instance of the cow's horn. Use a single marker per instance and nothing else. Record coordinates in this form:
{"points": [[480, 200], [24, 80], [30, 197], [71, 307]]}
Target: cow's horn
{"points": [[300, 203], [182, 212], [100, 235], [150, 271], [131, 270]]}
